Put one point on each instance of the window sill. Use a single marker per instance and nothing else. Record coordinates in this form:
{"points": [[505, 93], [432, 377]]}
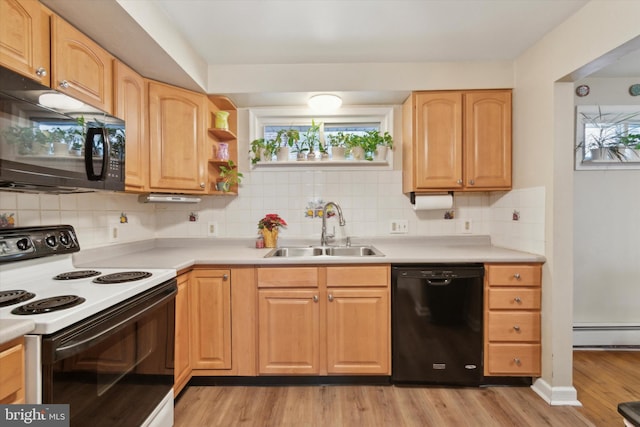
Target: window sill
{"points": [[323, 164]]}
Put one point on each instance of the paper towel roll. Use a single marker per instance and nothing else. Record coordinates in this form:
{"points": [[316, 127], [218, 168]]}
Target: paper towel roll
{"points": [[427, 202]]}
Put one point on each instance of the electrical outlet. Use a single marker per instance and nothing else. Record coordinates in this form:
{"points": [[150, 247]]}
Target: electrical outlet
{"points": [[114, 233], [467, 226], [212, 229], [399, 226]]}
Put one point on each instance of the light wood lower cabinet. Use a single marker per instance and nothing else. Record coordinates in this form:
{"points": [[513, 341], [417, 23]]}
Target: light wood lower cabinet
{"points": [[324, 320], [182, 350], [12, 372], [512, 320], [210, 308]]}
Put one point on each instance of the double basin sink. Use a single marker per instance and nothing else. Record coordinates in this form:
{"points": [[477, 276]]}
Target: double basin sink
{"points": [[334, 251]]}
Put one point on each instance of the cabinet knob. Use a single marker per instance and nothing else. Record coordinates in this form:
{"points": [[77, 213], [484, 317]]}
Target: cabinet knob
{"points": [[472, 182], [517, 299], [330, 297], [516, 328], [315, 298], [225, 277], [459, 182], [65, 84], [516, 360], [41, 72], [202, 185], [517, 276]]}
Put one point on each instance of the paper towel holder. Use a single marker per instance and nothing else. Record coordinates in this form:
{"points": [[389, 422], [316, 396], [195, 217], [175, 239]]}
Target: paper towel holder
{"points": [[412, 195]]}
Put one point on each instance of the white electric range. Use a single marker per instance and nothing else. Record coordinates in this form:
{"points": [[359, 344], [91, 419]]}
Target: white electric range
{"points": [[102, 335]]}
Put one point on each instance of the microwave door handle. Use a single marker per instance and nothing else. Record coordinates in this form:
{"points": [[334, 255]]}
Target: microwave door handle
{"points": [[88, 154]]}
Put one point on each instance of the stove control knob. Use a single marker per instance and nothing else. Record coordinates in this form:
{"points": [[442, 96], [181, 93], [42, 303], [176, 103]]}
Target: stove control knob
{"points": [[23, 244], [50, 241], [64, 239]]}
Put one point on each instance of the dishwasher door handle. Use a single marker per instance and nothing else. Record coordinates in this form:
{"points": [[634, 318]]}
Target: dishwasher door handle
{"points": [[440, 282]]}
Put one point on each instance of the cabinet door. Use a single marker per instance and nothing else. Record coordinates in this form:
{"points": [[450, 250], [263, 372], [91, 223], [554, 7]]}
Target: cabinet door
{"points": [[24, 38], [358, 332], [12, 372], [289, 331], [80, 67], [488, 140], [210, 319], [182, 350], [438, 140], [176, 139], [130, 95]]}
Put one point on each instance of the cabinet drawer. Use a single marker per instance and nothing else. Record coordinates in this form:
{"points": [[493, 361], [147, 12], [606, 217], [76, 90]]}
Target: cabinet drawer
{"points": [[350, 275], [514, 326], [288, 277], [513, 275], [514, 299], [12, 374], [513, 359]]}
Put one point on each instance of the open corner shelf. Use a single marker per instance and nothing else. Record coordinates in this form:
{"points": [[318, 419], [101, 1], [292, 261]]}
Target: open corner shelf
{"points": [[222, 134]]}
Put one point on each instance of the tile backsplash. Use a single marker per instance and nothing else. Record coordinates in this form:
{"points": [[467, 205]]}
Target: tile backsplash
{"points": [[370, 200]]}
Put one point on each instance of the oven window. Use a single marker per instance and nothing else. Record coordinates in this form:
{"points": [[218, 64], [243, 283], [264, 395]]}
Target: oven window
{"points": [[120, 380]]}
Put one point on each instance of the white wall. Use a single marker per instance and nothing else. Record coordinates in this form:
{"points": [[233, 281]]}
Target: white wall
{"points": [[543, 156], [606, 228]]}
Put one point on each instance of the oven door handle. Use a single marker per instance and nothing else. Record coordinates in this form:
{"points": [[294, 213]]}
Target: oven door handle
{"points": [[103, 326]]}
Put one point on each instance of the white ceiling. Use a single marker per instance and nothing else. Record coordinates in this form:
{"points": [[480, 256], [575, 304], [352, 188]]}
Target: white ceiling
{"points": [[222, 32]]}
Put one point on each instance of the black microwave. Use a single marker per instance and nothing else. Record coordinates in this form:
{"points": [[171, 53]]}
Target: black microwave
{"points": [[50, 142]]}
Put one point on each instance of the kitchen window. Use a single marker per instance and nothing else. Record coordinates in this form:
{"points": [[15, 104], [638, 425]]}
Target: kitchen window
{"points": [[266, 122]]}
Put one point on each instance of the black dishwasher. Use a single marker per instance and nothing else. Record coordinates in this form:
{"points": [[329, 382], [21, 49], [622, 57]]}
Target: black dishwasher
{"points": [[437, 324]]}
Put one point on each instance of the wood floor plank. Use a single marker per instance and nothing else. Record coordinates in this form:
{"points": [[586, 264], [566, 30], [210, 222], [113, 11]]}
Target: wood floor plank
{"points": [[602, 380]]}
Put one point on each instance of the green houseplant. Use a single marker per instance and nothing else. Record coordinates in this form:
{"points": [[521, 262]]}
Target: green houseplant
{"points": [[229, 176], [311, 139], [338, 143], [263, 150], [604, 134]]}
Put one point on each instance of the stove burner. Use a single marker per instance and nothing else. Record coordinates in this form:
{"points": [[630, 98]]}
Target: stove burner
{"points": [[122, 277], [82, 274], [14, 297], [47, 305]]}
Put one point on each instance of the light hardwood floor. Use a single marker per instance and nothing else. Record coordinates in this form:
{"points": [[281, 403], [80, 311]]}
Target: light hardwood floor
{"points": [[603, 379]]}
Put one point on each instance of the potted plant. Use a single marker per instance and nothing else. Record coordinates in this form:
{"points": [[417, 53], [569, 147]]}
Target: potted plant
{"points": [[311, 138], [290, 140], [263, 150], [268, 227], [631, 144], [337, 142], [356, 145], [384, 144], [229, 176]]}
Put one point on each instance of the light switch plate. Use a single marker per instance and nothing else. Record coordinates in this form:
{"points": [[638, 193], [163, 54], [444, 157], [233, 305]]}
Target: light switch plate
{"points": [[399, 226]]}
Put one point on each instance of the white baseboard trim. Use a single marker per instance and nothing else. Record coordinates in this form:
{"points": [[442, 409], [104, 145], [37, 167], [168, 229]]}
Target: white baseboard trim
{"points": [[556, 396], [606, 335]]}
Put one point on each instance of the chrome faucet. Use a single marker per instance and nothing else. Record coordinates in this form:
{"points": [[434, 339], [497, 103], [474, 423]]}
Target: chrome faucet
{"points": [[323, 236]]}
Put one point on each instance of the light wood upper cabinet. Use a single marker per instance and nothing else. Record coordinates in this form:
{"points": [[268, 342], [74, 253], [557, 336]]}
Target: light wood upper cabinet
{"points": [[130, 105], [177, 162], [182, 350], [457, 140], [210, 306], [80, 67], [24, 39]]}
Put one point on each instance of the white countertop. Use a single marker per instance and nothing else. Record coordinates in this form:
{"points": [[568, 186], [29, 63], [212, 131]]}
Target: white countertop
{"points": [[11, 329], [185, 252]]}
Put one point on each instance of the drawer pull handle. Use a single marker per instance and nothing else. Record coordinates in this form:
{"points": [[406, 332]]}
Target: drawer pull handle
{"points": [[517, 276], [516, 328], [517, 299], [516, 360]]}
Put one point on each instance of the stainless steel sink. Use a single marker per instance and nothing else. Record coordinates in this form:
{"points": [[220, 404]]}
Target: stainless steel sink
{"points": [[333, 251], [352, 251], [294, 252]]}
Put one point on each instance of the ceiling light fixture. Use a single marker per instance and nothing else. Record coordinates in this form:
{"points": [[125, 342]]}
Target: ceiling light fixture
{"points": [[59, 100], [325, 103]]}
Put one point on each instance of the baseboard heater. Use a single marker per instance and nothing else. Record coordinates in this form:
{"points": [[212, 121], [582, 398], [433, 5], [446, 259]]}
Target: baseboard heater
{"points": [[607, 335]]}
